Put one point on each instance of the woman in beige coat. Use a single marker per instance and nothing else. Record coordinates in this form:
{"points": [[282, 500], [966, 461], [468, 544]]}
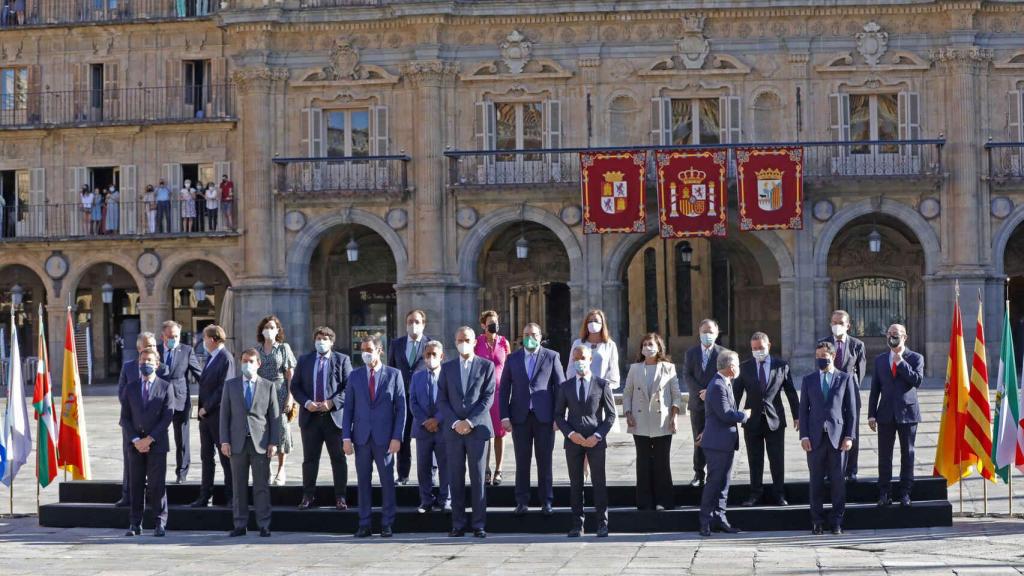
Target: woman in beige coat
{"points": [[651, 402]]}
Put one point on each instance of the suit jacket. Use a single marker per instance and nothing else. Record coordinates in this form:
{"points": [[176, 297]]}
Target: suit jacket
{"points": [[303, 386], [518, 390], [151, 418], [422, 404], [652, 412], [721, 417], [696, 377], [398, 359], [260, 421], [766, 406], [835, 414], [211, 382], [182, 371], [381, 420], [854, 359], [473, 403], [893, 399], [129, 375], [594, 416]]}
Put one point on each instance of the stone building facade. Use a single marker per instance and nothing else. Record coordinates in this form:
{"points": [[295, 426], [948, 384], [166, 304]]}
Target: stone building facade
{"points": [[437, 138]]}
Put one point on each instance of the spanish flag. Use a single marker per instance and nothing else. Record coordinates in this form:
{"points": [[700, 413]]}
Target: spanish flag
{"points": [[978, 424], [72, 447], [950, 460]]}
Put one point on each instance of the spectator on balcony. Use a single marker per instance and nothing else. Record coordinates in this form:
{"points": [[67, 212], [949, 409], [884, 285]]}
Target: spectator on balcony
{"points": [[149, 203], [187, 198], [212, 206], [19, 12], [113, 218], [6, 14], [163, 207], [199, 194], [3, 216], [227, 201], [202, 7], [180, 6], [96, 217], [88, 199], [101, 200]]}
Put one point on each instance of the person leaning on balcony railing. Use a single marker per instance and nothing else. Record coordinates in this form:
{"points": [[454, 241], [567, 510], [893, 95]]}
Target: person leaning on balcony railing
{"points": [[113, 214], [87, 199], [199, 224], [187, 198], [163, 207], [227, 201], [149, 202], [212, 195]]}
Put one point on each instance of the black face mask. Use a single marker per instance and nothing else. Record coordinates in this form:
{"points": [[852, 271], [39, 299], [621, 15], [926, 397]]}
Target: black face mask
{"points": [[492, 327], [894, 341]]}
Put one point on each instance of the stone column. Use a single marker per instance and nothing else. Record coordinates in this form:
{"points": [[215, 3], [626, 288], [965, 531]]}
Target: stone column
{"points": [[56, 324]]}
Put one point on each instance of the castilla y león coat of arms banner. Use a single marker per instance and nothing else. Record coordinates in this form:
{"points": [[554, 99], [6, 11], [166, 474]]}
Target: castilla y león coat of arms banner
{"points": [[691, 192], [612, 185], [769, 182]]}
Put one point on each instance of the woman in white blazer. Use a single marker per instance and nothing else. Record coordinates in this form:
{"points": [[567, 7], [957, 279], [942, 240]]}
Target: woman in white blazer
{"points": [[651, 402]]}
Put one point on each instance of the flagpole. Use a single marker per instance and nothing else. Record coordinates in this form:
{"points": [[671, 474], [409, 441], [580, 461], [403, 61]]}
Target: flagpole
{"points": [[956, 418]]}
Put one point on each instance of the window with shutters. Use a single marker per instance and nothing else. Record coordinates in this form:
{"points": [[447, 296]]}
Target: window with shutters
{"points": [[13, 95], [696, 121], [347, 133], [874, 117], [874, 303], [865, 122], [519, 126]]}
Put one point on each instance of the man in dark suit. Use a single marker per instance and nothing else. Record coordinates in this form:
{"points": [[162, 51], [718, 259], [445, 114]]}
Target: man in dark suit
{"points": [[219, 368], [373, 421], [764, 378], [827, 430], [250, 435], [426, 429], [465, 394], [146, 411], [130, 377], [852, 359], [893, 410], [720, 440], [585, 412], [406, 354], [318, 385], [698, 370], [179, 366], [529, 383]]}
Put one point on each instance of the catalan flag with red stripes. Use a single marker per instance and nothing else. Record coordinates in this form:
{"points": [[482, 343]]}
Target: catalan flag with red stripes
{"points": [[978, 425]]}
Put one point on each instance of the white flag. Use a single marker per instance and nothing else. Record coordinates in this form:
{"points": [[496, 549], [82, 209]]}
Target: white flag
{"points": [[17, 434]]}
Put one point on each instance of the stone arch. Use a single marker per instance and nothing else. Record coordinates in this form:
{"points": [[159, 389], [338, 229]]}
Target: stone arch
{"points": [[122, 259], [32, 264], [174, 262], [301, 250], [898, 210], [1002, 238]]}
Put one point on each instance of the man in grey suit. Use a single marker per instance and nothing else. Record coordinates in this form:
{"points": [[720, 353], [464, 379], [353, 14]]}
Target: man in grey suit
{"points": [[179, 365], [249, 436], [720, 441], [827, 430], [852, 359], [465, 394], [698, 371]]}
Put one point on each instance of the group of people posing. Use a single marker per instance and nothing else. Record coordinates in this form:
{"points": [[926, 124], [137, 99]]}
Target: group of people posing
{"points": [[459, 405]]}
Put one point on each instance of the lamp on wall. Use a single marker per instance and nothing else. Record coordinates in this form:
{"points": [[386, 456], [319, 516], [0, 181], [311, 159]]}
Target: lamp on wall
{"points": [[200, 290], [522, 246], [17, 295], [874, 241], [352, 249], [686, 256]]}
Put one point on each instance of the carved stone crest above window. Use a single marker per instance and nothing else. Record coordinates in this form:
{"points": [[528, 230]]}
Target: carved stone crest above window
{"points": [[693, 47], [515, 51], [872, 43], [345, 67]]}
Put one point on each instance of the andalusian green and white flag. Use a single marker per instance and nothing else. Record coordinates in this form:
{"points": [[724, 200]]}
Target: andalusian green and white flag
{"points": [[1006, 450]]}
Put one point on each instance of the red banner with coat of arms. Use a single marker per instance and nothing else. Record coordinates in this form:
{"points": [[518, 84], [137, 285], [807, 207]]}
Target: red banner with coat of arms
{"points": [[691, 193], [613, 191], [770, 188]]}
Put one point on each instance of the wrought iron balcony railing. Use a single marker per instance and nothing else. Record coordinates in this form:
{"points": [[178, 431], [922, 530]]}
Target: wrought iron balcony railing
{"points": [[343, 176], [64, 12], [141, 105], [822, 160], [1005, 161]]}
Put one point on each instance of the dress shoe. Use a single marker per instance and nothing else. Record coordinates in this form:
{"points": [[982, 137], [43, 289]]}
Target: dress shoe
{"points": [[456, 533], [817, 530], [659, 508], [520, 510], [781, 501], [547, 510], [448, 507], [575, 532], [705, 531], [837, 530], [134, 531], [237, 532], [180, 479], [697, 481], [602, 531], [201, 502], [265, 532], [423, 509], [340, 504], [884, 500], [480, 533], [363, 532], [402, 480], [159, 532], [727, 528], [752, 501], [306, 503], [905, 500], [122, 503], [851, 478], [386, 532]]}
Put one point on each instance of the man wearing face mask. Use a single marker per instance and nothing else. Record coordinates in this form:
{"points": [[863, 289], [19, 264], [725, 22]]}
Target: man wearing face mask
{"points": [[130, 377], [852, 359], [220, 367], [179, 365], [764, 378], [893, 411], [426, 429], [585, 412], [146, 412], [406, 354], [372, 425], [720, 441], [464, 395], [827, 430], [249, 436], [698, 371], [531, 377], [318, 385]]}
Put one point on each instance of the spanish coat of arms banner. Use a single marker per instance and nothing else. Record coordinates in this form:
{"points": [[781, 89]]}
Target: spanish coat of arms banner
{"points": [[691, 192], [769, 182], [612, 185]]}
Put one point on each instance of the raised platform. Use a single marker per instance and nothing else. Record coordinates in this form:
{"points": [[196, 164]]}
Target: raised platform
{"points": [[90, 505]]}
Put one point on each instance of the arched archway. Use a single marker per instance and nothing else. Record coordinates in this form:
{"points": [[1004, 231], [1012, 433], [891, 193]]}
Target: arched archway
{"points": [[17, 278], [196, 291], [1009, 263], [107, 307]]}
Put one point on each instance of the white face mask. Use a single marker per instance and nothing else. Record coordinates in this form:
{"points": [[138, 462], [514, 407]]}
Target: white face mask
{"points": [[369, 358], [594, 327], [838, 330], [432, 362], [649, 350], [270, 334], [249, 370], [760, 355], [581, 366], [464, 348], [414, 330], [323, 346], [708, 338]]}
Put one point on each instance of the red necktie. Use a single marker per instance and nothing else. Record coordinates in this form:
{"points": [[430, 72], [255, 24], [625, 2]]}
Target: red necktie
{"points": [[373, 386], [894, 367]]}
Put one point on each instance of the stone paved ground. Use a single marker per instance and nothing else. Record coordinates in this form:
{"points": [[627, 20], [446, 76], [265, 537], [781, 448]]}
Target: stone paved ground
{"points": [[972, 546]]}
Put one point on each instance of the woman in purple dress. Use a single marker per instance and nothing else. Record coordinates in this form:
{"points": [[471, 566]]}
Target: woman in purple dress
{"points": [[494, 347]]}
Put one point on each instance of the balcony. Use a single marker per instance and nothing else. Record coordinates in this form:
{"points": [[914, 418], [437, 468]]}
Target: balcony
{"points": [[49, 222], [69, 12], [823, 161], [142, 105], [1005, 162], [343, 177]]}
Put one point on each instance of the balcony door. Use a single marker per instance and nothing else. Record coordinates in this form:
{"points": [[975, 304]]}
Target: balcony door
{"points": [[512, 126], [197, 87], [875, 118]]}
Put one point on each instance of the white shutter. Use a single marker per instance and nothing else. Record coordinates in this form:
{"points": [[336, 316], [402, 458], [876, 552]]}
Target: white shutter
{"points": [[730, 121], [485, 130], [379, 128], [661, 121], [37, 199], [129, 201], [79, 177], [1014, 125], [316, 132], [220, 169], [908, 105], [172, 177], [839, 116], [553, 124]]}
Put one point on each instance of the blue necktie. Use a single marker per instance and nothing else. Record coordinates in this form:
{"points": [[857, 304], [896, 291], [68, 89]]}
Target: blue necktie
{"points": [[145, 393], [248, 395], [167, 358], [432, 388], [531, 364], [824, 385], [318, 388]]}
